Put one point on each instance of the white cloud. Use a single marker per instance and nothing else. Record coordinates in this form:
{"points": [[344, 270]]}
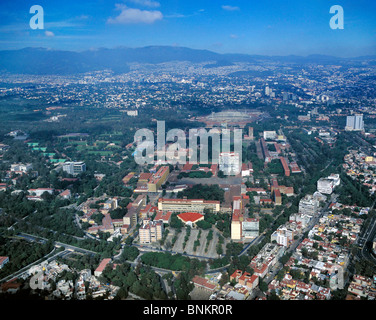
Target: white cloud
{"points": [[49, 33], [146, 3], [230, 8], [131, 15], [234, 36]]}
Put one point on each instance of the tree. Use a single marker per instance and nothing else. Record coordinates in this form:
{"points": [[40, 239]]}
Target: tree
{"points": [[263, 285], [121, 294]]}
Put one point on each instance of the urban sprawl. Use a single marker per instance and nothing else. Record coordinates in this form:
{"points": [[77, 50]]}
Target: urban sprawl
{"points": [[290, 218]]}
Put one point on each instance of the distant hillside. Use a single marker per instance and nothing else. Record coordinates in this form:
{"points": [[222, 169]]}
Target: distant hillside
{"points": [[42, 61]]}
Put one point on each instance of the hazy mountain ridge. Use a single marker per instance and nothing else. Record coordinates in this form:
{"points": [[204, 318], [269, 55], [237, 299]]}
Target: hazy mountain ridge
{"points": [[41, 61]]}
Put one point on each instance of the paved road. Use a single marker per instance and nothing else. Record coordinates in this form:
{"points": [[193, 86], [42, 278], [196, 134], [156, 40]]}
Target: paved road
{"points": [[364, 242], [49, 257]]}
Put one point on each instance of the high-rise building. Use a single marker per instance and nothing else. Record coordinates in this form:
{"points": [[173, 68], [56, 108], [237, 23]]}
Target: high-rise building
{"points": [[359, 123], [325, 186], [354, 123]]}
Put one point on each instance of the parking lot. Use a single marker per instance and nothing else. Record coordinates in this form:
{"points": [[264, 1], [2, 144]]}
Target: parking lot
{"points": [[200, 250]]}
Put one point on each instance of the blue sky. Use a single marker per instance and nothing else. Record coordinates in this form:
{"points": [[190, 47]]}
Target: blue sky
{"points": [[271, 27]]}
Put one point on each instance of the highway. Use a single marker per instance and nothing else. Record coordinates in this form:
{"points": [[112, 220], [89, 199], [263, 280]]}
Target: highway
{"points": [[49, 257], [365, 242]]}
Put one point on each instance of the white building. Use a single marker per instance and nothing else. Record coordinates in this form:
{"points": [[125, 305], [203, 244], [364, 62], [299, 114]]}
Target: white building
{"points": [[308, 205], [150, 231], [74, 168], [327, 185], [354, 123], [302, 218], [283, 236], [270, 135], [250, 228], [39, 191], [335, 178], [20, 167], [229, 163]]}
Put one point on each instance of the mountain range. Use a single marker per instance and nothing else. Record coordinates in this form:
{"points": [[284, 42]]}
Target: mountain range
{"points": [[42, 61]]}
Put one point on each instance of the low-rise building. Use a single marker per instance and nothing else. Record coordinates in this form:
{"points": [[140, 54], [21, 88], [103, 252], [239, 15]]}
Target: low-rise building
{"points": [[102, 265], [188, 205], [3, 261], [74, 168]]}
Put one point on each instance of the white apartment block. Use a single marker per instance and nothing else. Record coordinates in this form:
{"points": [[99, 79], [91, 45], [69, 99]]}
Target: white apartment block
{"points": [[302, 218], [250, 228], [283, 236], [354, 123], [308, 205], [327, 185], [150, 231]]}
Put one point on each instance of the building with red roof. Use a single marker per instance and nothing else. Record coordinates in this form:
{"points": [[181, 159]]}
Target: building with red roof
{"points": [[165, 217], [3, 261], [190, 217], [101, 267], [277, 197], [285, 166], [203, 283], [187, 167]]}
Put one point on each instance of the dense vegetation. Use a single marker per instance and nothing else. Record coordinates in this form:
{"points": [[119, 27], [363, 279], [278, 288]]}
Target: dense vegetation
{"points": [[21, 253], [170, 261], [201, 191]]}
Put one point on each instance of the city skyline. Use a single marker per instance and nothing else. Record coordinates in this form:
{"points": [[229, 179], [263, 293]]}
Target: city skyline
{"points": [[268, 28]]}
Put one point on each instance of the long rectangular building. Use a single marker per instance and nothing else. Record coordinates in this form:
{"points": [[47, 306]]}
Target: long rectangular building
{"points": [[158, 179], [285, 166], [188, 205]]}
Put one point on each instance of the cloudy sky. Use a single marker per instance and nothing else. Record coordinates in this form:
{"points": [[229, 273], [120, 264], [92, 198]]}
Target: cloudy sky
{"points": [[271, 27]]}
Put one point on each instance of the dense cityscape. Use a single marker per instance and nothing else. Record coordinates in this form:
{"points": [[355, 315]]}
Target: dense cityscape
{"points": [[80, 219]]}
